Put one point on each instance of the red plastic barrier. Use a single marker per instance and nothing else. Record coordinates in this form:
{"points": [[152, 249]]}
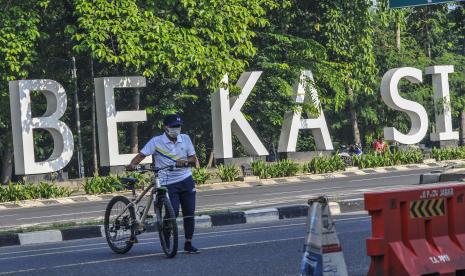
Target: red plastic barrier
{"points": [[417, 231]]}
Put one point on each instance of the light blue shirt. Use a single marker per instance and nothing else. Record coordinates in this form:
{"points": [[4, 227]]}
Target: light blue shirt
{"points": [[165, 153]]}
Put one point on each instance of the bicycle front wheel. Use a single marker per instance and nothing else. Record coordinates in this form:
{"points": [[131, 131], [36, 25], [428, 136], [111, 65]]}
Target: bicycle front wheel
{"points": [[167, 227], [119, 224]]}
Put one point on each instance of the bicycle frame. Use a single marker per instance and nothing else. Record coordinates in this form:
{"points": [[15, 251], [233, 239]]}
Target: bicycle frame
{"points": [[154, 187]]}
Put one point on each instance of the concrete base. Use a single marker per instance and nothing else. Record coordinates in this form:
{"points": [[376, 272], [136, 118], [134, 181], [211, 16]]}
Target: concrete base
{"points": [[239, 160], [428, 178], [304, 155], [446, 177], [448, 144], [104, 171], [36, 178]]}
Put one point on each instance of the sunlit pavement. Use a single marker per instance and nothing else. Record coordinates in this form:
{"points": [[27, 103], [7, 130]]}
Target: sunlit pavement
{"points": [[252, 249]]}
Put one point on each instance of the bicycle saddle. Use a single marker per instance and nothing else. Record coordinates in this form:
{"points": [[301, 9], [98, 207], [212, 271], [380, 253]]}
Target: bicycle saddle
{"points": [[129, 180]]}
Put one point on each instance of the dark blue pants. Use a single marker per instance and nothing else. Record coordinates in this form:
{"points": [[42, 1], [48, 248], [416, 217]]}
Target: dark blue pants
{"points": [[183, 193]]}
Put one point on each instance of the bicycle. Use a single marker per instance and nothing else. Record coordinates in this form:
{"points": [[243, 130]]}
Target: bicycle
{"points": [[122, 227]]}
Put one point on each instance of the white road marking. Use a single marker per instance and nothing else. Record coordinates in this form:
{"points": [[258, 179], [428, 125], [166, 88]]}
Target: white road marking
{"points": [[147, 239], [141, 256], [62, 215], [384, 177], [144, 241], [244, 203]]}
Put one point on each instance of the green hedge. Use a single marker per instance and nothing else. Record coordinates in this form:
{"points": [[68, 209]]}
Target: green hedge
{"points": [[201, 175], [372, 160], [448, 153], [112, 183], [227, 173], [43, 190], [281, 168], [325, 164]]}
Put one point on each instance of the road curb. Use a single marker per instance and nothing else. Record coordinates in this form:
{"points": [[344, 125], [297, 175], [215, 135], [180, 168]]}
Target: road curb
{"points": [[442, 176], [232, 185], [203, 221]]}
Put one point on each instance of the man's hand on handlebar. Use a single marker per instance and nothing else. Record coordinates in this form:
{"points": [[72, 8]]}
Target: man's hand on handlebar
{"points": [[180, 163]]}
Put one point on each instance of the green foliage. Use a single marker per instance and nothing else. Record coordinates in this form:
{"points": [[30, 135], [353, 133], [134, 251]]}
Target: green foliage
{"points": [[325, 164], [201, 175], [188, 40], [282, 168], [102, 184], [185, 47], [227, 173], [143, 179], [448, 153], [112, 183], [19, 33], [371, 160], [43, 190]]}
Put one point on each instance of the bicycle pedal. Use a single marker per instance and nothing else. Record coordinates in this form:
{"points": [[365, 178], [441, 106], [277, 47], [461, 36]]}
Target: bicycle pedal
{"points": [[140, 231], [133, 240]]}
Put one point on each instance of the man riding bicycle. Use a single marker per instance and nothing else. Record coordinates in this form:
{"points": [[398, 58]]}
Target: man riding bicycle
{"points": [[174, 148]]}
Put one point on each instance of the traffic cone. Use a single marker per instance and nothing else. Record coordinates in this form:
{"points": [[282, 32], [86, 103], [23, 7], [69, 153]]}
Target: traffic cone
{"points": [[333, 258], [322, 250], [312, 261]]}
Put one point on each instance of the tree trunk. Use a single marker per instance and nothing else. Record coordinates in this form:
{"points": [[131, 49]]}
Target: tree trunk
{"points": [[354, 118], [7, 165], [462, 128], [134, 138], [210, 160], [427, 33], [94, 130], [398, 36]]}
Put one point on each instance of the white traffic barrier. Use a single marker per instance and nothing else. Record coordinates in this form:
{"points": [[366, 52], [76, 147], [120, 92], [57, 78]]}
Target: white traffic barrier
{"points": [[322, 251], [333, 258]]}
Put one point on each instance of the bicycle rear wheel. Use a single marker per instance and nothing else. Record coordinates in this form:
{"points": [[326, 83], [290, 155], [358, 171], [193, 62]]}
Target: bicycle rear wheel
{"points": [[167, 227], [119, 224]]}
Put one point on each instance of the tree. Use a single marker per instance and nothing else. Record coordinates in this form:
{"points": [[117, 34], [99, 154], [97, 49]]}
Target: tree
{"points": [[287, 46], [185, 44], [346, 29], [18, 37]]}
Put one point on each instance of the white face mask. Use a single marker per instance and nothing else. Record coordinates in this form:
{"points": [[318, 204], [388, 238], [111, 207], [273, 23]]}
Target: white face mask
{"points": [[173, 132]]}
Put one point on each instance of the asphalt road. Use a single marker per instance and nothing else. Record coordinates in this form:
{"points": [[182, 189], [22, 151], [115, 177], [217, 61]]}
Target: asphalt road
{"points": [[257, 249], [232, 199]]}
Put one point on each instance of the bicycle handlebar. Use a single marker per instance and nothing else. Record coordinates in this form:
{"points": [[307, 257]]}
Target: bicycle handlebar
{"points": [[155, 170], [169, 167]]}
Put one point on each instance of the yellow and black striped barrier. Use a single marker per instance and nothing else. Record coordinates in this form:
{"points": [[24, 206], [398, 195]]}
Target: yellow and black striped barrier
{"points": [[427, 208]]}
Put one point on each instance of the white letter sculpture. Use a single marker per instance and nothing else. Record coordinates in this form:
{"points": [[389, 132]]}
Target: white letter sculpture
{"points": [[293, 121], [23, 126], [416, 112], [108, 117], [442, 101], [227, 118]]}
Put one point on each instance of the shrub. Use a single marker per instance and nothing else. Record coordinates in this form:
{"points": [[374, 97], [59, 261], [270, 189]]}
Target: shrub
{"points": [[281, 168], [325, 164], [201, 175], [259, 169], [371, 160], [448, 153], [143, 179], [287, 168], [227, 173], [102, 184], [43, 190]]}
